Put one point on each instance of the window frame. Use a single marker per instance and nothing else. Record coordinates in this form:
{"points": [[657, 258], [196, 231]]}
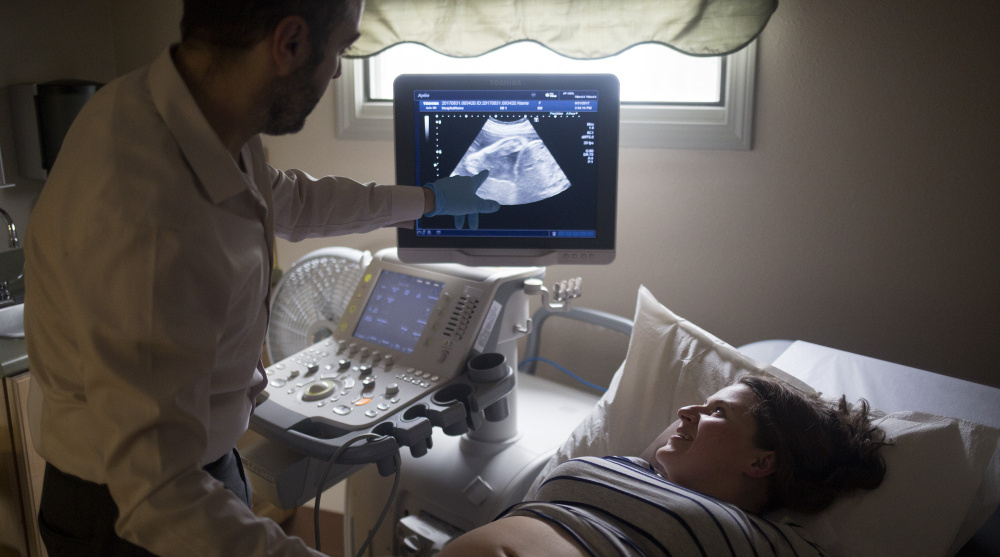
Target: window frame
{"points": [[726, 127]]}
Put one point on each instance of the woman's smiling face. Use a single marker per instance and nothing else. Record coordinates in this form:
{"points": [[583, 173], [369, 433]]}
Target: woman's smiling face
{"points": [[710, 444]]}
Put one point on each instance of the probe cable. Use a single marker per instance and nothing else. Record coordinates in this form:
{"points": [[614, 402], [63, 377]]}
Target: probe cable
{"points": [[329, 466]]}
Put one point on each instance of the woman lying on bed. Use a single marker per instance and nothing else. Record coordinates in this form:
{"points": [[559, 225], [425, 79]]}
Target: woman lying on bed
{"points": [[700, 488]]}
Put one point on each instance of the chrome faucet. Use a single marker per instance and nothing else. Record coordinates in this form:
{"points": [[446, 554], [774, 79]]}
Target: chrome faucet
{"points": [[11, 230], [13, 242]]}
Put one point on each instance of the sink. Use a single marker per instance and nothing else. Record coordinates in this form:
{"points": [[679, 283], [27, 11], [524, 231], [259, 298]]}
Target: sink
{"points": [[12, 309], [12, 321], [13, 352]]}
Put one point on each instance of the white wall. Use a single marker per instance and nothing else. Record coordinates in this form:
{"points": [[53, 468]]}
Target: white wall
{"points": [[142, 29], [44, 40], [864, 218]]}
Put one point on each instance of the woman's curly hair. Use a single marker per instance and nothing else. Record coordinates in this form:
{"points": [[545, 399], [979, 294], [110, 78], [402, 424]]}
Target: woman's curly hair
{"points": [[823, 449]]}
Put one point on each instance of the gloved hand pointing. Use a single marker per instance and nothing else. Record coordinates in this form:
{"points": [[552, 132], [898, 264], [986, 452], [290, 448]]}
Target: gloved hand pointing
{"points": [[456, 195]]}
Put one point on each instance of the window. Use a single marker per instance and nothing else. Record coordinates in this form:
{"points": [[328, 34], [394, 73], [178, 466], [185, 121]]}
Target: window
{"points": [[684, 102], [680, 79]]}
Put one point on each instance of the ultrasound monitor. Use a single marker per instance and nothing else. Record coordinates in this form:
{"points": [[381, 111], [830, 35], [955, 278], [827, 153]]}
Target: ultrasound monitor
{"points": [[550, 143]]}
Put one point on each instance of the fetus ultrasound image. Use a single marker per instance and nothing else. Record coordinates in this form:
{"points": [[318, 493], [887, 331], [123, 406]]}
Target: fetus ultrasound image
{"points": [[542, 168], [522, 169]]}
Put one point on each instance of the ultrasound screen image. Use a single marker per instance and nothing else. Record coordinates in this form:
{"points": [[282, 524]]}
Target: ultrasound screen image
{"points": [[522, 169], [538, 146]]}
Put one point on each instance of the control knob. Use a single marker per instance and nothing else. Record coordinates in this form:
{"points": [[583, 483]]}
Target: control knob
{"points": [[318, 391]]}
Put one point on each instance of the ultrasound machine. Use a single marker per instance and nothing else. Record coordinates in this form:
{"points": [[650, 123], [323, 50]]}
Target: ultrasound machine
{"points": [[424, 354]]}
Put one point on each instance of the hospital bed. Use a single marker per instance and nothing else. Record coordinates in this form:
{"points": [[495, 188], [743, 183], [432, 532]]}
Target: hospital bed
{"points": [[939, 498], [461, 447]]}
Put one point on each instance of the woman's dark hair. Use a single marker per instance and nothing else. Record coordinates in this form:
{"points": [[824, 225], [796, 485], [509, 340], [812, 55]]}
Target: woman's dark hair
{"points": [[236, 25], [823, 449]]}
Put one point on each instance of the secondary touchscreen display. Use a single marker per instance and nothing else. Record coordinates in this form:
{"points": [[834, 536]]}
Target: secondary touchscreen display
{"points": [[397, 311]]}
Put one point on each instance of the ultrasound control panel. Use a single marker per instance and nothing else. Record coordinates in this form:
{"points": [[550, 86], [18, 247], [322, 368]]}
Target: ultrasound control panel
{"points": [[409, 330], [418, 347], [352, 384]]}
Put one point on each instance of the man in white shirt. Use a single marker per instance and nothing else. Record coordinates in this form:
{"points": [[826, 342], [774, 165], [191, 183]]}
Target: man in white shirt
{"points": [[148, 267]]}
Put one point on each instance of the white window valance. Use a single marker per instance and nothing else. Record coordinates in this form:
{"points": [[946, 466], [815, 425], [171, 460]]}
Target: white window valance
{"points": [[582, 29]]}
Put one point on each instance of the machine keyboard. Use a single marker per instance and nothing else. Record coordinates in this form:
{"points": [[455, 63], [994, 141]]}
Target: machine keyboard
{"points": [[348, 385]]}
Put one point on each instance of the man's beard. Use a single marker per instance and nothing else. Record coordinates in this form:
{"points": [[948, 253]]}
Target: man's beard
{"points": [[291, 99]]}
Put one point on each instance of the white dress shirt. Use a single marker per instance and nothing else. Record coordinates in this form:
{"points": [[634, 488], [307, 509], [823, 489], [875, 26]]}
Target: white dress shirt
{"points": [[149, 257]]}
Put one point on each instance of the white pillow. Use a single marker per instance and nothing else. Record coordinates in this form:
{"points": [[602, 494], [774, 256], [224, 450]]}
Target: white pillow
{"points": [[670, 363], [933, 472], [893, 387]]}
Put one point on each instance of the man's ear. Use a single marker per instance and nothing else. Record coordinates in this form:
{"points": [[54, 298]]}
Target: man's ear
{"points": [[764, 464], [290, 47]]}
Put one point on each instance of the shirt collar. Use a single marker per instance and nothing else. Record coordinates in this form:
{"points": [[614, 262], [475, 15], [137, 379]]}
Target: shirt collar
{"points": [[218, 173]]}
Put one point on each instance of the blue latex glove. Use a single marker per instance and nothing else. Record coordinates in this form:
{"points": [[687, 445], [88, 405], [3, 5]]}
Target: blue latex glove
{"points": [[456, 195]]}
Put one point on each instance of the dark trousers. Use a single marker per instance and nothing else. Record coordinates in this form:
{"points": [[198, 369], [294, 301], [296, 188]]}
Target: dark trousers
{"points": [[77, 517]]}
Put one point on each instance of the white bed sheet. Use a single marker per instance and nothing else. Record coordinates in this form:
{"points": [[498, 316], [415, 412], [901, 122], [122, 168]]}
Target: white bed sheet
{"points": [[890, 387]]}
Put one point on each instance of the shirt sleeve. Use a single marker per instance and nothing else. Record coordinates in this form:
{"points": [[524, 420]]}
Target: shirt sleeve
{"points": [[307, 207]]}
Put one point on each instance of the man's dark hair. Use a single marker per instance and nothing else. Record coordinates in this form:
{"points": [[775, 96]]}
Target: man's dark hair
{"points": [[236, 25]]}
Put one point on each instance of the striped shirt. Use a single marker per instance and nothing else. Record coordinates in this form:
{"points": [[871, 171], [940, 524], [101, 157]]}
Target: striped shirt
{"points": [[620, 506]]}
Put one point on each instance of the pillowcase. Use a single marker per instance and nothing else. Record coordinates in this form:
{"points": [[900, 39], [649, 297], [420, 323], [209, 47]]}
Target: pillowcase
{"points": [[928, 503], [934, 472], [893, 387]]}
